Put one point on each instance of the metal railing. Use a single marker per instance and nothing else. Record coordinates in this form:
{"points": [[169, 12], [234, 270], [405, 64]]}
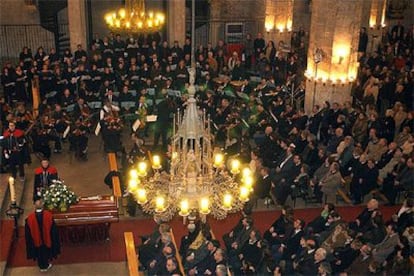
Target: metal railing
{"points": [[15, 37]]}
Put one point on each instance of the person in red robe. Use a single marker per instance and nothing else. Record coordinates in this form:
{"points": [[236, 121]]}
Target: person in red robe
{"points": [[44, 176], [42, 237]]}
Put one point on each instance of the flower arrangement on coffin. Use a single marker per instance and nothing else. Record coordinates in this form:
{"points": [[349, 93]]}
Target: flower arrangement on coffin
{"points": [[58, 196]]}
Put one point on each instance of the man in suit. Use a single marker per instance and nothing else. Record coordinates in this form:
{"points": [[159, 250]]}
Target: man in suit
{"points": [[243, 235], [230, 237], [283, 177], [207, 264], [364, 218], [288, 248], [306, 262], [263, 184], [382, 250], [360, 265]]}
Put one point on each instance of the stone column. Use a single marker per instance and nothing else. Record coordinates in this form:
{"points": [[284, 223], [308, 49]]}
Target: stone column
{"points": [[331, 78], [279, 20], [376, 24], [176, 21], [77, 24]]}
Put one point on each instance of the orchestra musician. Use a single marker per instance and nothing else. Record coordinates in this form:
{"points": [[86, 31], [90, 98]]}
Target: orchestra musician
{"points": [[45, 133], [79, 138], [23, 117], [13, 143], [111, 127], [61, 119], [44, 176]]}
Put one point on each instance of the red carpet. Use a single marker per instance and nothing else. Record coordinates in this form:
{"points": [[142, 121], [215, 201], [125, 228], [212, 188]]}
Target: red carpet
{"points": [[6, 240], [114, 250]]}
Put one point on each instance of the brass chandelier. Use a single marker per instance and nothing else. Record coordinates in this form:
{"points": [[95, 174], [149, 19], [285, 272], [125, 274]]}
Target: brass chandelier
{"points": [[133, 18], [198, 180]]}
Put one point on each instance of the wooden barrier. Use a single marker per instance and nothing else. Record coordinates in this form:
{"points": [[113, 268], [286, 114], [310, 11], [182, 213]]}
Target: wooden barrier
{"points": [[344, 196], [177, 254], [132, 257], [116, 184], [35, 96]]}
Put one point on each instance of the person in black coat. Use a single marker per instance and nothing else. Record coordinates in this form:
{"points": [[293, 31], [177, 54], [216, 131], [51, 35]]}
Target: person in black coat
{"points": [[364, 217], [363, 40], [387, 125], [263, 184], [344, 256], [281, 228], [305, 262], [405, 215], [387, 156], [369, 178], [230, 237], [165, 108], [287, 249]]}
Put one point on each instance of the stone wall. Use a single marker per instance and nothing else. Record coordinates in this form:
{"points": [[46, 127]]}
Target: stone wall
{"points": [[16, 12]]}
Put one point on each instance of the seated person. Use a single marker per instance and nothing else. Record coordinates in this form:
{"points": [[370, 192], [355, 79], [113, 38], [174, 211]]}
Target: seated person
{"points": [[165, 251], [151, 243], [281, 228]]}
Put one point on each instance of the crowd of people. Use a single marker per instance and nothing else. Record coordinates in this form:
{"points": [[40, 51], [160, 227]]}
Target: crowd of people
{"points": [[354, 149], [326, 245]]}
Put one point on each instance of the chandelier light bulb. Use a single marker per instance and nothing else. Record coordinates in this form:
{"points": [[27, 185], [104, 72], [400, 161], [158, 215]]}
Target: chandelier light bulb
{"points": [[159, 204], [235, 166], [244, 194], [156, 162], [142, 169], [132, 185], [141, 196], [227, 201], [184, 208], [204, 206], [122, 13], [248, 182], [218, 160], [246, 173], [133, 173]]}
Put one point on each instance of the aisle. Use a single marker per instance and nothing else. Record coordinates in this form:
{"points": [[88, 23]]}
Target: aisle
{"points": [[114, 250], [86, 178]]}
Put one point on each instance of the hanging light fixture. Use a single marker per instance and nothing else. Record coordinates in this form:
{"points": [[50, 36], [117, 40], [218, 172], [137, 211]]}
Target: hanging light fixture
{"points": [[198, 180], [133, 18]]}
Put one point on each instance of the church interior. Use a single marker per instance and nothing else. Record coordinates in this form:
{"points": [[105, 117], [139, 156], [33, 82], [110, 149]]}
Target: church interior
{"points": [[207, 137]]}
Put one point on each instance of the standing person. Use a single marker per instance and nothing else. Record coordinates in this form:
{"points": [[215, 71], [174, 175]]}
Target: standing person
{"points": [[44, 176], [258, 45], [13, 144], [248, 51], [165, 108], [42, 237]]}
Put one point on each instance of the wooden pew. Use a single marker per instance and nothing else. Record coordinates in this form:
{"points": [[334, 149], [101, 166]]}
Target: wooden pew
{"points": [[116, 185], [177, 254], [131, 254]]}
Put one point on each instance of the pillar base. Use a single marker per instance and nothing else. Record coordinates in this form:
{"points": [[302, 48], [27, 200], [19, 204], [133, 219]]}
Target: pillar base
{"points": [[318, 93]]}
